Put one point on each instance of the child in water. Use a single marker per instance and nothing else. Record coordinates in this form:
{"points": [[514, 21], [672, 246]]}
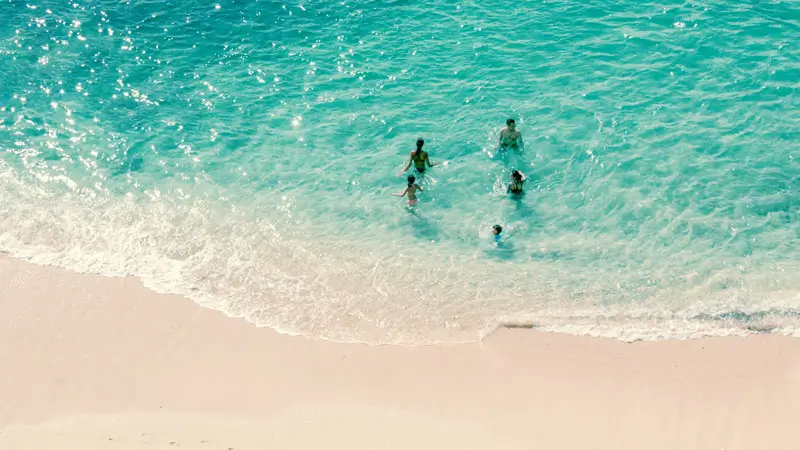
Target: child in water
{"points": [[517, 180], [496, 231], [411, 190]]}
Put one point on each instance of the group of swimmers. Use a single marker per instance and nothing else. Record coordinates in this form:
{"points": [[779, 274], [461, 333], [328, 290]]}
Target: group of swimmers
{"points": [[509, 137]]}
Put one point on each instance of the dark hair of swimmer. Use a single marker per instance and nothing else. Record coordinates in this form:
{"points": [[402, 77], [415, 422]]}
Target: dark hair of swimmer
{"points": [[497, 229], [517, 176], [420, 142], [411, 180], [510, 121]]}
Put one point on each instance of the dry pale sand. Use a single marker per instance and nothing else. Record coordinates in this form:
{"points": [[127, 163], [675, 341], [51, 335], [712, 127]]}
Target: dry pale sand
{"points": [[89, 362]]}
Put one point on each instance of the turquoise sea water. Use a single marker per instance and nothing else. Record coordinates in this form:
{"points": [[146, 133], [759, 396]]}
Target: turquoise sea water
{"points": [[244, 153]]}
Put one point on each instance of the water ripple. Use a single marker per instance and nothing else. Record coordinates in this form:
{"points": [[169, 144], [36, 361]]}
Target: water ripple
{"points": [[244, 153]]}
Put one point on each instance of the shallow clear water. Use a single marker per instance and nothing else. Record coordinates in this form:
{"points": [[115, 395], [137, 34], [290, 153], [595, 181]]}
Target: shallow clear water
{"points": [[244, 153]]}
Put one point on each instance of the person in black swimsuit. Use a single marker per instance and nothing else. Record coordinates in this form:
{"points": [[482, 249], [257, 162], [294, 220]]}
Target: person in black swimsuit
{"points": [[419, 157], [517, 180]]}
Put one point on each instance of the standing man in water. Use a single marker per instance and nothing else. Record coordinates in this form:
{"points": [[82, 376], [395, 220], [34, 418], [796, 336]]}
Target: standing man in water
{"points": [[510, 137], [419, 157]]}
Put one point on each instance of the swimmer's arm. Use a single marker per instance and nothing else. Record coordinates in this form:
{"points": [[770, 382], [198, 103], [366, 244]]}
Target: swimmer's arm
{"points": [[419, 187], [428, 160], [401, 195], [410, 158], [521, 142]]}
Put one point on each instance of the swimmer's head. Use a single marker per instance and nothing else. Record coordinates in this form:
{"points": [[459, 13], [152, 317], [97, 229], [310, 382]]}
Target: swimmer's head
{"points": [[420, 143], [516, 175], [411, 180], [497, 229], [511, 123]]}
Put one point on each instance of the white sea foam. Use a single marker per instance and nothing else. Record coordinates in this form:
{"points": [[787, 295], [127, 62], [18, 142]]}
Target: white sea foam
{"points": [[335, 290]]}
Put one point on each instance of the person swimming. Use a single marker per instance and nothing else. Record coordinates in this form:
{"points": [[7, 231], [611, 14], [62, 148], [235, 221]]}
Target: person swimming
{"points": [[411, 191], [517, 181], [510, 137], [497, 231], [419, 157]]}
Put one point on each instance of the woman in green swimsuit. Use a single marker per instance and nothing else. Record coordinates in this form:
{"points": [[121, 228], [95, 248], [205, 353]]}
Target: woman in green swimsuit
{"points": [[420, 158]]}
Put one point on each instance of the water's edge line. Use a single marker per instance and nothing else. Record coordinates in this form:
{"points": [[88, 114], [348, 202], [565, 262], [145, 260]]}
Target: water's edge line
{"points": [[153, 286]]}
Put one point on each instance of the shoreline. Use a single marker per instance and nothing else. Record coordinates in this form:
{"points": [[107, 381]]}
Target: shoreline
{"points": [[660, 328], [76, 376]]}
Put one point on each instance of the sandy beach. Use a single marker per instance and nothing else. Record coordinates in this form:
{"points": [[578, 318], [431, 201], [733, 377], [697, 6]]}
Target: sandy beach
{"points": [[90, 362]]}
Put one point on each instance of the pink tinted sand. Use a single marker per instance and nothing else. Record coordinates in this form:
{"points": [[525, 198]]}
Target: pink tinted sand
{"points": [[88, 362]]}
